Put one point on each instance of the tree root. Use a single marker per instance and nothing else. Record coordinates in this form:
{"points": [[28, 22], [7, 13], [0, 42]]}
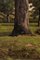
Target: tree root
{"points": [[21, 32]]}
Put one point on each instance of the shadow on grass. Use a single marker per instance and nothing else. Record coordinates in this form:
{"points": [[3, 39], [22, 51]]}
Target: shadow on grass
{"points": [[10, 34], [5, 33]]}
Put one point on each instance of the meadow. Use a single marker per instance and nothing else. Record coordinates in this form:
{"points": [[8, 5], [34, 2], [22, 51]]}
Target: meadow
{"points": [[11, 46]]}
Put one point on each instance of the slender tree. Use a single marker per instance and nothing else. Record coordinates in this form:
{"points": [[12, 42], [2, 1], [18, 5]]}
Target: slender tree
{"points": [[36, 3], [21, 22]]}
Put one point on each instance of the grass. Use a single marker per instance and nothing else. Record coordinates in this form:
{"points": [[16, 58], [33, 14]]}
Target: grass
{"points": [[19, 42], [8, 27], [23, 40]]}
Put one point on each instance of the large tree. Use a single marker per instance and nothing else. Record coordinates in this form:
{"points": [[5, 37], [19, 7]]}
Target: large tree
{"points": [[21, 22]]}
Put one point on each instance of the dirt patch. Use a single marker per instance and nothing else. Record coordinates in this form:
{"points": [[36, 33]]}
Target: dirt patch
{"points": [[29, 45]]}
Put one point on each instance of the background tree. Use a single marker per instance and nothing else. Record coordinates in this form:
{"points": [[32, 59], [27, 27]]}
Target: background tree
{"points": [[6, 7], [36, 3]]}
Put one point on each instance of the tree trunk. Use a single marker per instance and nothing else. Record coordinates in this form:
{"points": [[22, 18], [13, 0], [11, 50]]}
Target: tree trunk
{"points": [[38, 29], [21, 22], [7, 18], [39, 18]]}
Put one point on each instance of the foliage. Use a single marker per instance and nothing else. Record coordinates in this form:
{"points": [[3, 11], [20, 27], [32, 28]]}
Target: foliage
{"points": [[7, 6], [36, 3], [35, 11]]}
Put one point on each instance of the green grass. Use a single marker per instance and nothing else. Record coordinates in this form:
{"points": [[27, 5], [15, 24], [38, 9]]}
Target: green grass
{"points": [[18, 42], [35, 40], [8, 27]]}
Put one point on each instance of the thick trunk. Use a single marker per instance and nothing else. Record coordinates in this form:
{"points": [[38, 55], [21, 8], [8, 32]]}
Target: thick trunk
{"points": [[21, 22], [39, 18]]}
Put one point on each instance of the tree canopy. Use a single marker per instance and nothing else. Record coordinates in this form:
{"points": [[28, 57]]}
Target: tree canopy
{"points": [[6, 6]]}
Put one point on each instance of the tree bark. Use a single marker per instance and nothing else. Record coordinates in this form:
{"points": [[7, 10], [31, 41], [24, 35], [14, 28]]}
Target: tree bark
{"points": [[21, 22], [7, 18], [39, 18]]}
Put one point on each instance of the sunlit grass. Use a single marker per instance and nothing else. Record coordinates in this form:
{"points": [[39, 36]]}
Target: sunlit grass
{"points": [[18, 41], [6, 28]]}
